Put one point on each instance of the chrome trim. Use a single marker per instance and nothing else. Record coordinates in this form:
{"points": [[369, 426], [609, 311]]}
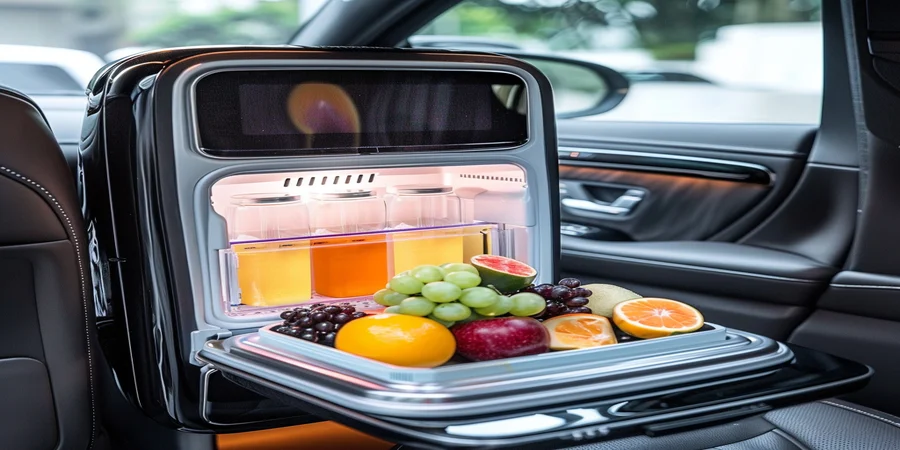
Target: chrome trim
{"points": [[698, 159]]}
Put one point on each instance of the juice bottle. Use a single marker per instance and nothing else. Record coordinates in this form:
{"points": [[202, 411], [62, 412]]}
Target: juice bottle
{"points": [[346, 263], [424, 207], [272, 269]]}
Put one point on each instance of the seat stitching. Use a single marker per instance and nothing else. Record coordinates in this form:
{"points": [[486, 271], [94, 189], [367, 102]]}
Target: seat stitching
{"points": [[83, 294], [859, 411]]}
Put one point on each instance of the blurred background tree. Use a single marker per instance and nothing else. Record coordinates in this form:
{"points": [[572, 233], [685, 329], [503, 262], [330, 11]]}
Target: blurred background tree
{"points": [[269, 22], [669, 29]]}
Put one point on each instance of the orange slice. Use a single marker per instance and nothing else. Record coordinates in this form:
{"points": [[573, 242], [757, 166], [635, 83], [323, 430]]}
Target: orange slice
{"points": [[649, 318], [573, 331]]}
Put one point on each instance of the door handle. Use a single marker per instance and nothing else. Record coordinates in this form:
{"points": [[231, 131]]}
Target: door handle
{"points": [[618, 207]]}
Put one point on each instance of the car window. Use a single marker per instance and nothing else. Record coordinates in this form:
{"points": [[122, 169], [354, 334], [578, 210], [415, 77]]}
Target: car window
{"points": [[56, 47], [736, 61], [37, 78]]}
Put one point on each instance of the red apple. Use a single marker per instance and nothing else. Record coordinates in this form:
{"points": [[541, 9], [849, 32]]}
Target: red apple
{"points": [[506, 337]]}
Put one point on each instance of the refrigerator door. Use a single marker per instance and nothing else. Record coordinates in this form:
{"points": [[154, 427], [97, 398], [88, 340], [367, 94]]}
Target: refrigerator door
{"points": [[745, 375]]}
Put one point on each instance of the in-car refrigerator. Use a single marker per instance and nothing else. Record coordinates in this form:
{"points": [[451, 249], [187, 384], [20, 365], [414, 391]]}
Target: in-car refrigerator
{"points": [[231, 193]]}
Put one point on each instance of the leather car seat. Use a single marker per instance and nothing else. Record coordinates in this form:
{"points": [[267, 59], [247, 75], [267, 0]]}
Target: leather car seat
{"points": [[825, 425], [47, 364]]}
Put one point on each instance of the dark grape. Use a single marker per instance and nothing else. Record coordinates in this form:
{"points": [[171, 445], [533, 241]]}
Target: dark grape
{"points": [[529, 288], [281, 329], [305, 322], [561, 293], [341, 318], [319, 316], [348, 310], [308, 337], [577, 301], [324, 326], [544, 290], [570, 282], [339, 326], [294, 332], [333, 309], [328, 339], [554, 308], [359, 314], [309, 330], [580, 310], [582, 292], [287, 315]]}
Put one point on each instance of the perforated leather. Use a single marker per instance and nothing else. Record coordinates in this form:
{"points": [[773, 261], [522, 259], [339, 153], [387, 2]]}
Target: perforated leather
{"points": [[826, 425]]}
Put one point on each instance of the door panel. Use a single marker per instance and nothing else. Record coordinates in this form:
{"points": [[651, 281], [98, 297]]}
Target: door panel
{"points": [[730, 218], [672, 207]]}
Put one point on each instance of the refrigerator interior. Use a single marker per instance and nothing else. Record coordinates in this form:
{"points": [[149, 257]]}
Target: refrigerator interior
{"points": [[339, 235]]}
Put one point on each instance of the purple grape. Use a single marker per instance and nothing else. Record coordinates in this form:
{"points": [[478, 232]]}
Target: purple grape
{"points": [[319, 316], [309, 330], [359, 314], [281, 329], [287, 315], [554, 308], [328, 339], [544, 290], [580, 310], [341, 318], [324, 326], [570, 282], [333, 309], [577, 301], [348, 310], [582, 292], [305, 322], [561, 293], [308, 337]]}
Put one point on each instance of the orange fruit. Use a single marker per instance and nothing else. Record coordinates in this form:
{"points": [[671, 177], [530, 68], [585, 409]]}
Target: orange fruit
{"points": [[572, 331], [397, 339], [649, 318]]}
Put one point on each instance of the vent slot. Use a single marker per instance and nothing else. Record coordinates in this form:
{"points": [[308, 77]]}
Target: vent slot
{"points": [[491, 178]]}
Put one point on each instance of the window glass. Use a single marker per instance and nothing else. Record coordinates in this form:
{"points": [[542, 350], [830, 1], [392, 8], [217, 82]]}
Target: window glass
{"points": [[36, 78], [78, 36], [739, 61]]}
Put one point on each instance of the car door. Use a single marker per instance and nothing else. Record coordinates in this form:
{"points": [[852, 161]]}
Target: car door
{"points": [[733, 187]]}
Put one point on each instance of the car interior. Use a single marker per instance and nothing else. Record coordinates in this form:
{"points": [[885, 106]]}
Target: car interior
{"points": [[127, 325]]}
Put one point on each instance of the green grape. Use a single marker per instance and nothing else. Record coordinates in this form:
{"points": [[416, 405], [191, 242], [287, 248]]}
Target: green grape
{"points": [[478, 297], [445, 323], [459, 267], [388, 297], [441, 292], [392, 310], [463, 279], [527, 304], [452, 312], [475, 316], [406, 284], [416, 306], [499, 308], [428, 274]]}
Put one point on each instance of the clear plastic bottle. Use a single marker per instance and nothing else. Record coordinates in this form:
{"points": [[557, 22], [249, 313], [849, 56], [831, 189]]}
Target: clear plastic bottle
{"points": [[347, 264], [272, 268], [420, 208]]}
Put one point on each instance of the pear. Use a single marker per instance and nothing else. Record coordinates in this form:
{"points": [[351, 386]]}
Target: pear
{"points": [[605, 297]]}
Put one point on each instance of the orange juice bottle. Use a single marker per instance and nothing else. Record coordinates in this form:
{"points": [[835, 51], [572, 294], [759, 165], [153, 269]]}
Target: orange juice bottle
{"points": [[346, 263], [272, 268]]}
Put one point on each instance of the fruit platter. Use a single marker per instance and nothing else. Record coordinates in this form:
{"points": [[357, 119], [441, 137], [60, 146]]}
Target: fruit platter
{"points": [[486, 319], [449, 341]]}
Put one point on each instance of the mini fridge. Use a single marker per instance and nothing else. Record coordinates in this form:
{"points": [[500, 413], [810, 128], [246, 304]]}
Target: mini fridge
{"points": [[224, 186]]}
